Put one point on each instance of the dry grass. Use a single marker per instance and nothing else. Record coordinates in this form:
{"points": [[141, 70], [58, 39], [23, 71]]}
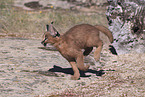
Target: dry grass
{"points": [[15, 22]]}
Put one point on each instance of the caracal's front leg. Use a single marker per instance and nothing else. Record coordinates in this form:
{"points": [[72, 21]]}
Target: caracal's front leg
{"points": [[80, 62], [76, 75]]}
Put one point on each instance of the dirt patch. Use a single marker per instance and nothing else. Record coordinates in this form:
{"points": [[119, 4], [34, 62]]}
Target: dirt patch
{"points": [[60, 4], [24, 66], [33, 5]]}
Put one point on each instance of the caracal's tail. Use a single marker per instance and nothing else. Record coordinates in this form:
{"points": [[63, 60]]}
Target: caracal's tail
{"points": [[106, 31]]}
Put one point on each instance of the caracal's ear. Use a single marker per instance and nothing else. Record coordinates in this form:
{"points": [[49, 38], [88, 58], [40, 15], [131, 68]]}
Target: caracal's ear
{"points": [[53, 31], [47, 28]]}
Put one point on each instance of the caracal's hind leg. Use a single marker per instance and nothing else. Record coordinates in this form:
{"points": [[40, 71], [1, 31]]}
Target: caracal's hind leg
{"points": [[87, 51], [98, 50]]}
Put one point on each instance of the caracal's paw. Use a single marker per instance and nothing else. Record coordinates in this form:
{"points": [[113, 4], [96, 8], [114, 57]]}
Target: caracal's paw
{"points": [[75, 77]]}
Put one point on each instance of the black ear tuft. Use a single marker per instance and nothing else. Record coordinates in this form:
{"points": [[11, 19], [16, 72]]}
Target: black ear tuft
{"points": [[57, 34], [47, 27], [52, 22]]}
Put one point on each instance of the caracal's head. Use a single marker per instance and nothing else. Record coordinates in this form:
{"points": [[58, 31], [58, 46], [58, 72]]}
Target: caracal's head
{"points": [[50, 33]]}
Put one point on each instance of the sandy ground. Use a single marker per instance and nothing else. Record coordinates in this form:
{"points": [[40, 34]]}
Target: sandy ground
{"points": [[24, 66]]}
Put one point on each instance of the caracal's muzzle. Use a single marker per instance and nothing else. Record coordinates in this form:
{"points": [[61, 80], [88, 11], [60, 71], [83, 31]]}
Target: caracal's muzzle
{"points": [[43, 42]]}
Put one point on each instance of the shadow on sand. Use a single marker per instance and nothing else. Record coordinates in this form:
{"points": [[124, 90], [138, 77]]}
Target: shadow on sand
{"points": [[82, 73], [69, 70]]}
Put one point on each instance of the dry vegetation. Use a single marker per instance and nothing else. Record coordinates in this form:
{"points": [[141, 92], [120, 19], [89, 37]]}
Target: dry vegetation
{"points": [[15, 22]]}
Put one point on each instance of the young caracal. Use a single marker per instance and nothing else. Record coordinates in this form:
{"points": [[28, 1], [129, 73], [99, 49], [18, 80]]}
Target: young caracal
{"points": [[70, 44]]}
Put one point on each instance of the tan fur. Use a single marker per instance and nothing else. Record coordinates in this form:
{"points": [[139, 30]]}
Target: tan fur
{"points": [[70, 45], [106, 31]]}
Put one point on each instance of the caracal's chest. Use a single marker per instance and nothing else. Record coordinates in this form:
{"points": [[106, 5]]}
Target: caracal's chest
{"points": [[67, 51]]}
